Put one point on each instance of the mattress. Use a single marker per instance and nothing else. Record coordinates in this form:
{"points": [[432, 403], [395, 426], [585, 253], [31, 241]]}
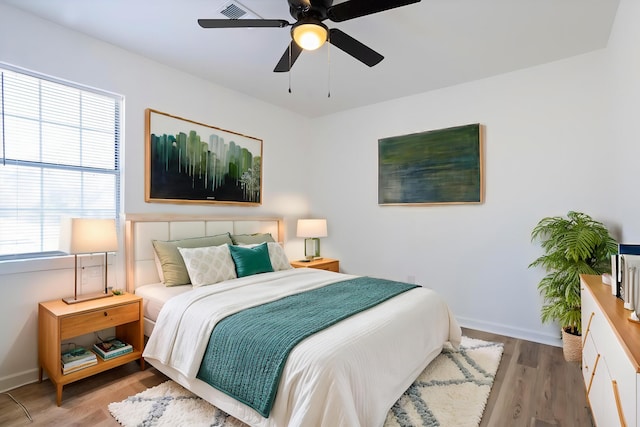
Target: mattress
{"points": [[155, 295]]}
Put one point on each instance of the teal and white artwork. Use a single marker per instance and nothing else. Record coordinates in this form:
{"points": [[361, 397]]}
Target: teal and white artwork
{"points": [[190, 162]]}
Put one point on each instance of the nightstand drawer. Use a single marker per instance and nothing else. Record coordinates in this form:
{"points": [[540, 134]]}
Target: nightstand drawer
{"points": [[84, 323], [330, 266]]}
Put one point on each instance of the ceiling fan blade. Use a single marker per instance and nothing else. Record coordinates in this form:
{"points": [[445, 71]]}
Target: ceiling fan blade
{"points": [[353, 47], [356, 8], [285, 62], [243, 23]]}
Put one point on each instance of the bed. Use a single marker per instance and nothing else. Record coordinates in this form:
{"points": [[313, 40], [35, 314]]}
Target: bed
{"points": [[348, 374]]}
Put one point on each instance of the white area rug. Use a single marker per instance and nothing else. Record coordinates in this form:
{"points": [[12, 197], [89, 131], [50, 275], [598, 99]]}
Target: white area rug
{"points": [[451, 392]]}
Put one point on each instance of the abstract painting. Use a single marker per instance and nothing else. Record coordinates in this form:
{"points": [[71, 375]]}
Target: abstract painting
{"points": [[433, 167], [190, 162]]}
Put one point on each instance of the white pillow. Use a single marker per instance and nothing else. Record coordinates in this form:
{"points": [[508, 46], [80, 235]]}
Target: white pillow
{"points": [[208, 265], [278, 258]]}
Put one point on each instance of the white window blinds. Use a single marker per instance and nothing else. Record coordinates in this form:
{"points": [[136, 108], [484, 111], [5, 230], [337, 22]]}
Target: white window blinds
{"points": [[59, 158]]}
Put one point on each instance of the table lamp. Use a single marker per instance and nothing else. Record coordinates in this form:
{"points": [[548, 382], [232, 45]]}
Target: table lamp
{"points": [[87, 236], [311, 230]]}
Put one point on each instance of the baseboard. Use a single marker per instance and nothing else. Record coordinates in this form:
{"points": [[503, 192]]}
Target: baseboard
{"points": [[16, 380], [524, 334]]}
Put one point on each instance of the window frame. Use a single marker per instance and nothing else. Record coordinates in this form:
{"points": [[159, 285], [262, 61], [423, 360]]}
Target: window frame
{"points": [[43, 165]]}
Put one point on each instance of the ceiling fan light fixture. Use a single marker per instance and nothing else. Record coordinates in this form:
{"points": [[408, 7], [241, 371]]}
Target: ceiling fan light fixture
{"points": [[309, 35]]}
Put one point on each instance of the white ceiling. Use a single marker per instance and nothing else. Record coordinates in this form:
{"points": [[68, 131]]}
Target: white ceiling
{"points": [[427, 45]]}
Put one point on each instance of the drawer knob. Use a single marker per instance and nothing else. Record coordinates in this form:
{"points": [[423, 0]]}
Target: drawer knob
{"points": [[106, 314]]}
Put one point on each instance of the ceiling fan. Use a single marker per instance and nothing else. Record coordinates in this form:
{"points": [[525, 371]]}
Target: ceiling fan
{"points": [[309, 33]]}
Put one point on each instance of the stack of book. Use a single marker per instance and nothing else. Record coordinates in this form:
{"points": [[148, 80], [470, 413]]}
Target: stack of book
{"points": [[112, 348], [76, 359]]}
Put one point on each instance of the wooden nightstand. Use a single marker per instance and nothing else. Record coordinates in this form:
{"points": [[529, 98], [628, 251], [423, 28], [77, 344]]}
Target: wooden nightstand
{"points": [[59, 321], [320, 264]]}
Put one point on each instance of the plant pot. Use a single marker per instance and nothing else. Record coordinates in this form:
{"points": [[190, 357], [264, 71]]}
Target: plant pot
{"points": [[571, 347]]}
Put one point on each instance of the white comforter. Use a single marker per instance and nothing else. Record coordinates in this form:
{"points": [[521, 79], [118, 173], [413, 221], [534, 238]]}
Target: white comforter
{"points": [[347, 375]]}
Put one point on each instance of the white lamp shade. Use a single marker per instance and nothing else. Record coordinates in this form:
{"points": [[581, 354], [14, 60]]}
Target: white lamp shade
{"points": [[312, 228], [88, 235]]}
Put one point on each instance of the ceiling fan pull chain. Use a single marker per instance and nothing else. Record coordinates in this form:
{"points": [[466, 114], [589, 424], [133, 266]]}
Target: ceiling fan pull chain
{"points": [[289, 67], [329, 66]]}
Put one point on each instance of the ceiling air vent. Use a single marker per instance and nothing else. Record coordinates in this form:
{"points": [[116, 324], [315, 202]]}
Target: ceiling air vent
{"points": [[236, 10]]}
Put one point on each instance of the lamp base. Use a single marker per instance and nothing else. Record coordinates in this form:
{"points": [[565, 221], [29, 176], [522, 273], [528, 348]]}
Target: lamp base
{"points": [[311, 248], [88, 297], [310, 258]]}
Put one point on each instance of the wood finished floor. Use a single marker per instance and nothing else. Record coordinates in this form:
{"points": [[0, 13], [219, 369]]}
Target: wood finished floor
{"points": [[534, 387]]}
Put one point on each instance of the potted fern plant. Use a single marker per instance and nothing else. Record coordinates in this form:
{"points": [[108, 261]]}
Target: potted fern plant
{"points": [[573, 245]]}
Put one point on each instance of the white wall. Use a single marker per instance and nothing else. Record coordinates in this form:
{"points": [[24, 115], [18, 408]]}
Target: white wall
{"points": [[543, 142], [623, 62], [41, 46], [549, 132]]}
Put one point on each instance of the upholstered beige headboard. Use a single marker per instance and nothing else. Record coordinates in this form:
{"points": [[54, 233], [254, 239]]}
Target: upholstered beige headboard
{"points": [[141, 229]]}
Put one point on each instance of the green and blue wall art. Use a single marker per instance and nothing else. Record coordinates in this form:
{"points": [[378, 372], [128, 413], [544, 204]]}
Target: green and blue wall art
{"points": [[441, 166]]}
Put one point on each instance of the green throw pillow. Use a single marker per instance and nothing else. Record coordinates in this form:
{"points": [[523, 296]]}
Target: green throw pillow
{"points": [[250, 261], [174, 271]]}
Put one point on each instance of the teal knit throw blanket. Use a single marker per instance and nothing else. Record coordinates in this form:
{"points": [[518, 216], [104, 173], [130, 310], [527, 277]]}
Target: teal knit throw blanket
{"points": [[247, 351]]}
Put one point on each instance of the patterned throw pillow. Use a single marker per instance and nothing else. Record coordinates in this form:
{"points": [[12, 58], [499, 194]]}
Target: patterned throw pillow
{"points": [[208, 265], [279, 259], [172, 270]]}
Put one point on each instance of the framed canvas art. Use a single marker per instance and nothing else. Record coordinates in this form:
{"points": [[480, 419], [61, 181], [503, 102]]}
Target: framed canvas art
{"points": [[191, 162], [433, 167]]}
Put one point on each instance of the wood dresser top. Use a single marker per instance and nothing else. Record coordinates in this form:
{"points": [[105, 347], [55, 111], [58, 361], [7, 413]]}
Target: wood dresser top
{"points": [[628, 332]]}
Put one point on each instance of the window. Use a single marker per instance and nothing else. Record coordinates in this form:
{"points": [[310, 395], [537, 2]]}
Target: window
{"points": [[59, 158]]}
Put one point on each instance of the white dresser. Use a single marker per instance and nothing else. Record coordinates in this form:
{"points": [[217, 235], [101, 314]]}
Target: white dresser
{"points": [[610, 355]]}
